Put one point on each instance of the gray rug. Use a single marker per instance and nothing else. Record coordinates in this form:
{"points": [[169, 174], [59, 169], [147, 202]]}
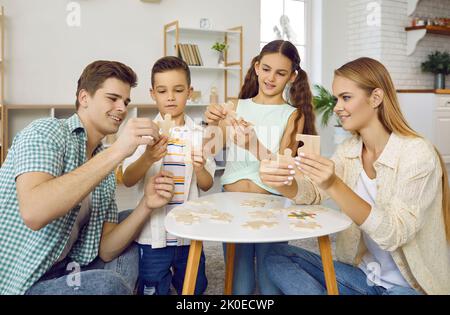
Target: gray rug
{"points": [[215, 266]]}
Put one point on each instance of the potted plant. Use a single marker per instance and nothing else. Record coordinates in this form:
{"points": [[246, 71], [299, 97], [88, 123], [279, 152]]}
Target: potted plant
{"points": [[324, 103], [220, 47], [438, 63]]}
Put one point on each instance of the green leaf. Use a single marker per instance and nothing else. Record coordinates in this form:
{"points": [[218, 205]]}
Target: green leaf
{"points": [[324, 103]]}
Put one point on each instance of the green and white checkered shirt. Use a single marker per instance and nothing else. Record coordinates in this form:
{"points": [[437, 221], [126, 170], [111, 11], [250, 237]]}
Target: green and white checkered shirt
{"points": [[57, 147]]}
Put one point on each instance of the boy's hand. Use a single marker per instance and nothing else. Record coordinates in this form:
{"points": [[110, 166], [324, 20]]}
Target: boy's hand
{"points": [[156, 151], [159, 190], [198, 160], [136, 131]]}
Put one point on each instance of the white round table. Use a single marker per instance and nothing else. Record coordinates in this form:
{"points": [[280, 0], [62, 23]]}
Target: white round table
{"points": [[235, 217]]}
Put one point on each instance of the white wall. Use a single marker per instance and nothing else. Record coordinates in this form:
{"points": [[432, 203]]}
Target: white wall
{"points": [[334, 46], [405, 70], [44, 57]]}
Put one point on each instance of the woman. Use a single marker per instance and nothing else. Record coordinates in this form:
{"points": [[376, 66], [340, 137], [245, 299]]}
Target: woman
{"points": [[389, 180]]}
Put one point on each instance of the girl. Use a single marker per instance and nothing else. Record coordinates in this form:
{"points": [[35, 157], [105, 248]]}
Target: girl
{"points": [[262, 104], [390, 181]]}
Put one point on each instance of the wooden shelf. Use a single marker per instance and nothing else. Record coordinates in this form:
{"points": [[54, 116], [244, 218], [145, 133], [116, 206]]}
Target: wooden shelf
{"points": [[440, 91], [431, 29], [213, 68], [188, 30], [416, 33]]}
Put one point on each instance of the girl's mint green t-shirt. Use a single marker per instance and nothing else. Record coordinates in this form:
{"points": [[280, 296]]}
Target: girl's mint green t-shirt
{"points": [[269, 122]]}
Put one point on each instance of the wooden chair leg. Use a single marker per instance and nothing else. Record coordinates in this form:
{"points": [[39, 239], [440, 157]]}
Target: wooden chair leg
{"points": [[229, 268], [328, 267], [190, 277]]}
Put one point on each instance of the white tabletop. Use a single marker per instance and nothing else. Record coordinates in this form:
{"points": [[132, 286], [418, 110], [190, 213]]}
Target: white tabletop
{"points": [[223, 217]]}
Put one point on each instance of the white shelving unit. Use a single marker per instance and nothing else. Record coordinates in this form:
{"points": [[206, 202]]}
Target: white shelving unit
{"points": [[228, 78]]}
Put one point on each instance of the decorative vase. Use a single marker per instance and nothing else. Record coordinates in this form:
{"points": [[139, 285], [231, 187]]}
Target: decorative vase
{"points": [[439, 81], [221, 60]]}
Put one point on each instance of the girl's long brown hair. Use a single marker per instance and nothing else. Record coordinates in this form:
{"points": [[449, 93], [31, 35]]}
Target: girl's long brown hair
{"points": [[370, 74], [300, 95]]}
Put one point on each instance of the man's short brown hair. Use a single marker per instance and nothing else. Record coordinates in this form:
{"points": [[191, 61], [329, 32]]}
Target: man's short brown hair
{"points": [[96, 73]]}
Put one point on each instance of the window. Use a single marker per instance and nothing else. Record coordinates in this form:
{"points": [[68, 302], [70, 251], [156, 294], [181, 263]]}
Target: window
{"points": [[286, 19]]}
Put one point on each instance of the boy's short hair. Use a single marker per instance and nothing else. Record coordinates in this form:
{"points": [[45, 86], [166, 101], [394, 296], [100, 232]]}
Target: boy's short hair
{"points": [[96, 73], [169, 63]]}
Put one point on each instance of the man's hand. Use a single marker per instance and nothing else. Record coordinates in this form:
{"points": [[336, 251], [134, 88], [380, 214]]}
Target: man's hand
{"points": [[137, 131], [159, 190]]}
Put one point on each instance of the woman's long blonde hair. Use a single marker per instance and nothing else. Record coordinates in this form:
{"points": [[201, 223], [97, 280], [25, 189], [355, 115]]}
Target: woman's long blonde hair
{"points": [[370, 74]]}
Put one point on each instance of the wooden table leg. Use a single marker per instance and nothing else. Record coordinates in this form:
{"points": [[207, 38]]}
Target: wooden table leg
{"points": [[193, 261], [328, 267], [229, 268]]}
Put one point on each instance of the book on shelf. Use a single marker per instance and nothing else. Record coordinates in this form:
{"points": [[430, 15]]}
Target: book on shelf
{"points": [[197, 51], [190, 53]]}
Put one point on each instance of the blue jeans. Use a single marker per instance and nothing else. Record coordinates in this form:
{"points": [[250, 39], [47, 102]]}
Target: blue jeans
{"points": [[297, 271], [244, 282], [155, 274], [117, 277]]}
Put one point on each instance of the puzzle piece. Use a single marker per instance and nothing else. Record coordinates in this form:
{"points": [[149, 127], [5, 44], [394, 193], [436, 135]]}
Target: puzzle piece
{"points": [[253, 203], [188, 218], [262, 215], [231, 113], [285, 158], [298, 225], [308, 144], [222, 217], [166, 124], [301, 215], [256, 225], [282, 210]]}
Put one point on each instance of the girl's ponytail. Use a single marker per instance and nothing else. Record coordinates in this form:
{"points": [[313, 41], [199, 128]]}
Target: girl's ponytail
{"points": [[300, 96], [251, 87]]}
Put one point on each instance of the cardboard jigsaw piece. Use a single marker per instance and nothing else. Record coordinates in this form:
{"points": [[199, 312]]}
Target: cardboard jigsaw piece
{"points": [[166, 124], [231, 113], [193, 144], [308, 144]]}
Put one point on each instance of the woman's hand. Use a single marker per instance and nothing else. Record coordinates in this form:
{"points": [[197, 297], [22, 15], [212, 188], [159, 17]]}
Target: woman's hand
{"points": [[319, 169], [159, 190], [156, 151], [276, 174]]}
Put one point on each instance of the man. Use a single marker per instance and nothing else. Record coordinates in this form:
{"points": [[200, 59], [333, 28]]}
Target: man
{"points": [[57, 195]]}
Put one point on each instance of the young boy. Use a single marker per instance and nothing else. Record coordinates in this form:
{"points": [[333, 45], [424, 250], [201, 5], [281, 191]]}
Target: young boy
{"points": [[159, 250]]}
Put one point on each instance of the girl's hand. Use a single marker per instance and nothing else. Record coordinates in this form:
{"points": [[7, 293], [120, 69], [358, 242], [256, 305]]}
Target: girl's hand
{"points": [[156, 151], [159, 190], [276, 174], [244, 135], [319, 169], [198, 160], [215, 113]]}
